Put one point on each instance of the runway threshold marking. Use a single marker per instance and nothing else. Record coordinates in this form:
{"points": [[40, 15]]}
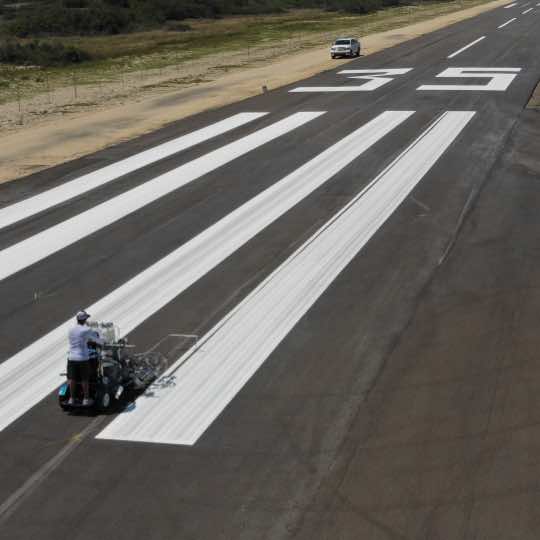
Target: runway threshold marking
{"points": [[506, 23], [210, 375], [466, 47], [526, 11], [74, 188], [509, 6], [31, 374], [43, 244]]}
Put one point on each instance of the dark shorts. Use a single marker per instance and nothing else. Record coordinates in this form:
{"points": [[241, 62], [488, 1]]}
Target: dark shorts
{"points": [[78, 371]]}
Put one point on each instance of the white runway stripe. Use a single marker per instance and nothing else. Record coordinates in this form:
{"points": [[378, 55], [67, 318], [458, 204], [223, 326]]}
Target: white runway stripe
{"points": [[31, 374], [526, 11], [209, 375], [506, 23], [74, 188], [466, 47], [49, 241], [509, 6]]}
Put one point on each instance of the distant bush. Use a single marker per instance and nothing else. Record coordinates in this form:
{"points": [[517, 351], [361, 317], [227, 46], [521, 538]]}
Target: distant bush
{"points": [[56, 19], [88, 17], [177, 26], [354, 6], [40, 54]]}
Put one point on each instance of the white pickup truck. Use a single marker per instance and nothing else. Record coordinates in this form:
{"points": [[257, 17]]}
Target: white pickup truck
{"points": [[345, 47]]}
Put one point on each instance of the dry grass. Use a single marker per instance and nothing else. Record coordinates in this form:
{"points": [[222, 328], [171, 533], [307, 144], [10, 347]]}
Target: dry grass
{"points": [[129, 60]]}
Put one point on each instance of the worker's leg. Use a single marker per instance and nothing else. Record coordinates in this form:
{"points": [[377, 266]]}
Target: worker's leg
{"points": [[86, 389], [85, 380], [72, 380]]}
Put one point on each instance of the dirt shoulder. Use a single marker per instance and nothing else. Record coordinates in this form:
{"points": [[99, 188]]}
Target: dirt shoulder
{"points": [[54, 135], [534, 102]]}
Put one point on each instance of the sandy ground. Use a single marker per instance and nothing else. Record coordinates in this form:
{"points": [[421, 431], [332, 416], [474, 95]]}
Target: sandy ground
{"points": [[534, 102], [53, 134]]}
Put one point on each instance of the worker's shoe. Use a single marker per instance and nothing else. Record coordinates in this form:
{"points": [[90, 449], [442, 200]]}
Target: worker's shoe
{"points": [[71, 401], [87, 402]]}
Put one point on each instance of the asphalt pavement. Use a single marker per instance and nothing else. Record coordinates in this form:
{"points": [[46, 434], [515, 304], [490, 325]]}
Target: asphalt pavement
{"points": [[358, 255]]}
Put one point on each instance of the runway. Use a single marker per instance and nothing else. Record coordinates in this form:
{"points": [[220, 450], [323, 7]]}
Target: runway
{"points": [[357, 254]]}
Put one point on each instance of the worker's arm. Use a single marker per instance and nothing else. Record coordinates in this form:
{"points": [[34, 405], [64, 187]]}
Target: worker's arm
{"points": [[93, 337]]}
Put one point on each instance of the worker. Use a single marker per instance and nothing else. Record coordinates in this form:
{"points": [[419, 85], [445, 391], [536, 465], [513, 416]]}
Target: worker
{"points": [[78, 367]]}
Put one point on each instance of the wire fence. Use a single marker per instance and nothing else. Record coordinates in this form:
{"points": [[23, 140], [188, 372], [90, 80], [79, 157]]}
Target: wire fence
{"points": [[81, 89], [41, 93]]}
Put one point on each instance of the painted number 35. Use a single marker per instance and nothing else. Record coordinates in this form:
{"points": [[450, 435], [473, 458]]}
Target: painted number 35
{"points": [[499, 79]]}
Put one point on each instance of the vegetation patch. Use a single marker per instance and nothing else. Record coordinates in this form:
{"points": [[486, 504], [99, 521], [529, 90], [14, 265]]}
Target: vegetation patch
{"points": [[118, 64], [39, 53], [109, 17]]}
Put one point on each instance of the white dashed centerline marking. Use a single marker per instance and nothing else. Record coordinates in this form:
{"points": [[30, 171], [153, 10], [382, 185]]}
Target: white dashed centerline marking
{"points": [[506, 23], [467, 46], [526, 11]]}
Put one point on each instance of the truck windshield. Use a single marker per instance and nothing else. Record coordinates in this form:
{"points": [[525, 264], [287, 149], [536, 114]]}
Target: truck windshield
{"points": [[343, 42]]}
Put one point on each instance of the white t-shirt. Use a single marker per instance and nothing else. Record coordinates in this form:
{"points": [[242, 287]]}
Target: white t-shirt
{"points": [[78, 338]]}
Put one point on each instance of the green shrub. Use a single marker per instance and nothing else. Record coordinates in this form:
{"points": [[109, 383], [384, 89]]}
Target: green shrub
{"points": [[88, 17], [40, 54], [176, 26], [57, 19]]}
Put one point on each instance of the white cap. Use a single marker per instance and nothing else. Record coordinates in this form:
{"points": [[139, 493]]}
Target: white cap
{"points": [[82, 315]]}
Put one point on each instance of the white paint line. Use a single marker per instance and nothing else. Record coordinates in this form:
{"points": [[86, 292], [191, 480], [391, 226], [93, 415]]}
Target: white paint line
{"points": [[375, 78], [35, 248], [74, 188], [467, 47], [507, 23], [328, 89], [31, 374], [509, 6], [210, 375], [501, 78], [526, 11]]}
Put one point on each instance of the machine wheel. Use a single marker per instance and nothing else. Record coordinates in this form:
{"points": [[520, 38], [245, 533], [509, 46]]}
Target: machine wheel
{"points": [[63, 396], [104, 399]]}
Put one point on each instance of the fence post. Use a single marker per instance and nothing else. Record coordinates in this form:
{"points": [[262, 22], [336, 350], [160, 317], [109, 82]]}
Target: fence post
{"points": [[74, 85], [19, 105]]}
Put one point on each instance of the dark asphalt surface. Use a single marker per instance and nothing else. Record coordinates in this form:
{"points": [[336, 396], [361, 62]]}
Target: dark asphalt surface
{"points": [[404, 405]]}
